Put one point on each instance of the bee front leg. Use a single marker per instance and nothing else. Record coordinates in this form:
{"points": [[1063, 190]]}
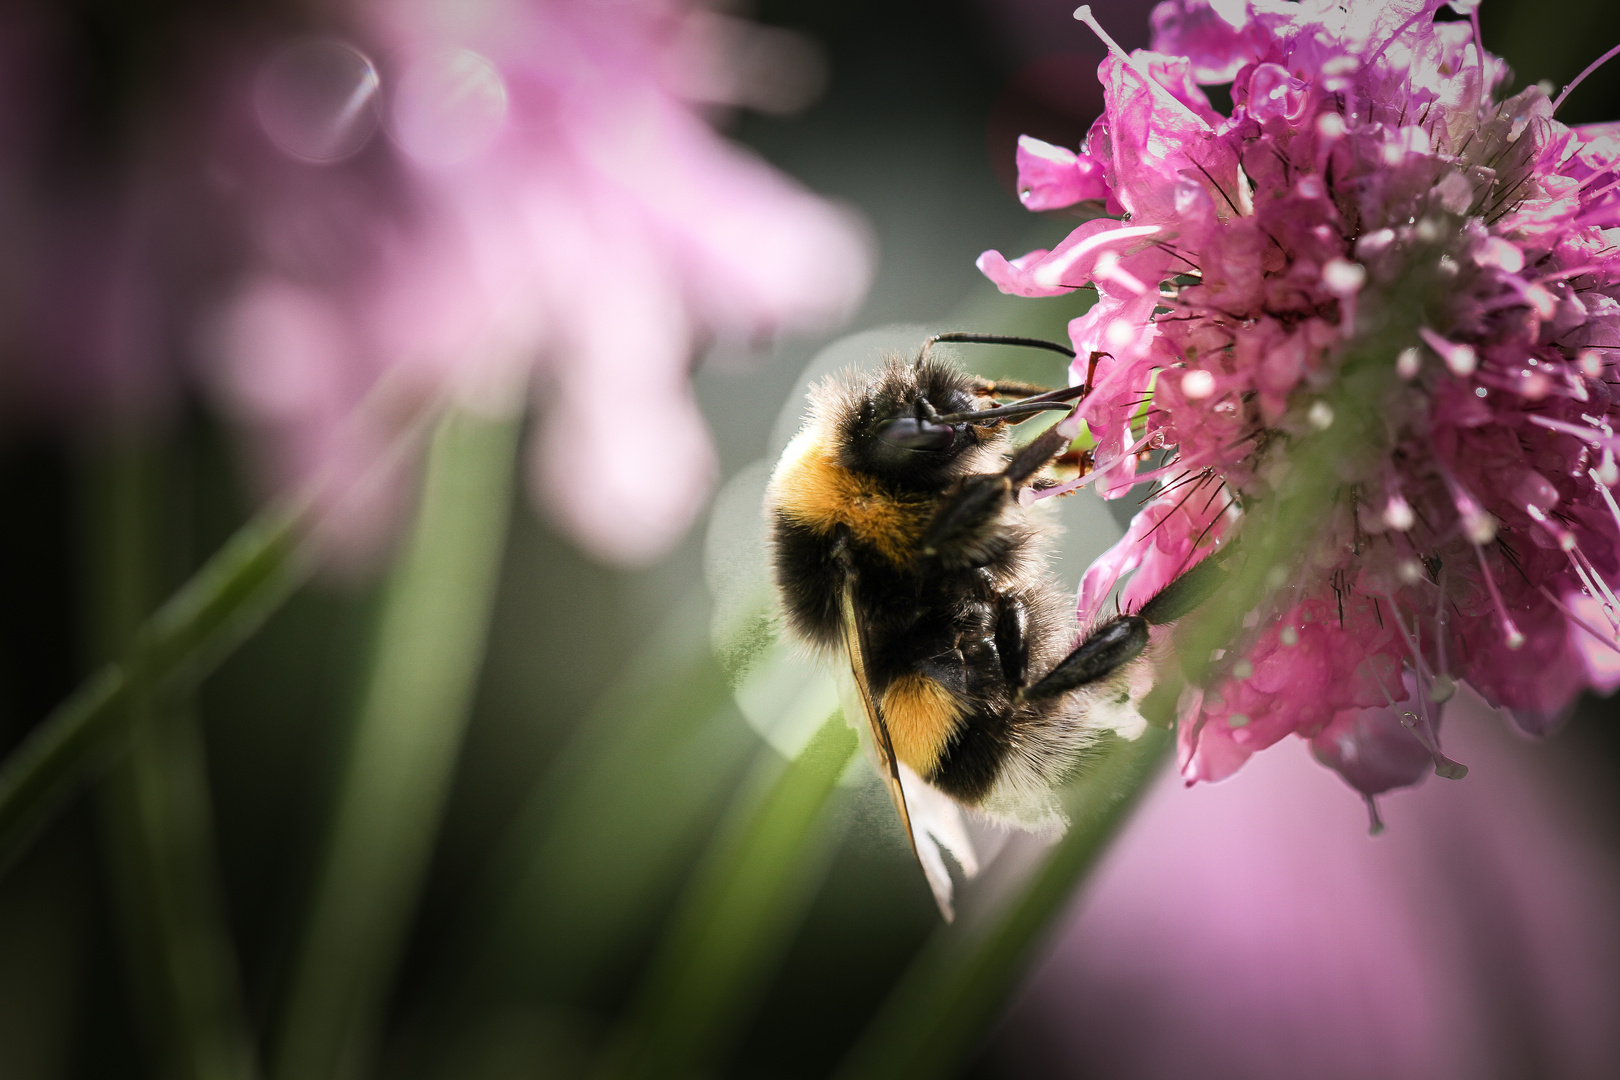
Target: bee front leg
{"points": [[963, 531], [1007, 388], [1012, 641]]}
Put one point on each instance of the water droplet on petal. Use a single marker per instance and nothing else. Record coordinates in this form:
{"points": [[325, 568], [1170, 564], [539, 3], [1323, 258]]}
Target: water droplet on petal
{"points": [[450, 107], [317, 100]]}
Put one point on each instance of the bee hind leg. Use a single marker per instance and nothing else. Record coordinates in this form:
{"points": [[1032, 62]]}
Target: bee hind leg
{"points": [[1121, 639], [1104, 651]]}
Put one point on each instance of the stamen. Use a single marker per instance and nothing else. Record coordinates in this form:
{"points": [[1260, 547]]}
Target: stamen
{"points": [[1419, 727], [1393, 38], [1565, 538], [1512, 635], [1083, 13], [1477, 524], [1593, 66], [1576, 619], [1479, 37], [1611, 606], [1608, 496], [1375, 824], [1596, 438], [1029, 496], [1444, 685]]}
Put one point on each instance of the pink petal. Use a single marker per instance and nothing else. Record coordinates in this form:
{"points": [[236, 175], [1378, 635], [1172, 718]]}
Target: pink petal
{"points": [[1052, 177]]}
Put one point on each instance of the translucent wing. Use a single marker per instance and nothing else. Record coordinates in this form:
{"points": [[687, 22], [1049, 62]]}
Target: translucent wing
{"points": [[889, 764]]}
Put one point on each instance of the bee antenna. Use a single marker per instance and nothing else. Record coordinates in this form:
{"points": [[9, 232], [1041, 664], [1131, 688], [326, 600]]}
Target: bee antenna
{"points": [[964, 338]]}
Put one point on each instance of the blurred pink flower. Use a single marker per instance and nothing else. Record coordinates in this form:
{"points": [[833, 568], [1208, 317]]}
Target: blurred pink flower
{"points": [[468, 201], [1251, 931], [1370, 209]]}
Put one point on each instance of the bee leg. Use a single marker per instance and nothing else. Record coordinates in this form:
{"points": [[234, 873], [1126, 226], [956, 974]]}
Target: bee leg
{"points": [[1122, 638], [1012, 641], [1186, 592], [1107, 649], [1008, 388], [960, 531]]}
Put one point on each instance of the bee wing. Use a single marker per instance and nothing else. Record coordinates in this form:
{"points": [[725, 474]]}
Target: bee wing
{"points": [[889, 764], [928, 854]]}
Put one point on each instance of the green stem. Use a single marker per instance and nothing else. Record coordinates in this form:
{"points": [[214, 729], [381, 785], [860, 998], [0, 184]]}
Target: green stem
{"points": [[641, 776], [738, 915], [157, 815], [200, 625], [157, 818], [954, 991], [428, 652]]}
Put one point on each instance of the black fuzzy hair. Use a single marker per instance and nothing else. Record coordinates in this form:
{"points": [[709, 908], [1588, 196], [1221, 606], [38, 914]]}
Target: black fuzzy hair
{"points": [[854, 405]]}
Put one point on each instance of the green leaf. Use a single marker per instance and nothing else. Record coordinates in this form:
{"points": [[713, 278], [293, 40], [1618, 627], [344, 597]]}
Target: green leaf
{"points": [[737, 916], [954, 992], [428, 652], [156, 814], [211, 615]]}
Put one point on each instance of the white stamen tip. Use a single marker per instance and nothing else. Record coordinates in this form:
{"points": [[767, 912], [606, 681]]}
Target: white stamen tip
{"points": [[1288, 636], [1342, 277], [1398, 514], [1242, 669], [1442, 688], [1515, 640], [1237, 720], [1410, 571], [1409, 362], [1197, 385], [1320, 415], [1479, 527]]}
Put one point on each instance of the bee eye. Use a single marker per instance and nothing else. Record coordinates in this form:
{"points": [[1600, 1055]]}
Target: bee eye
{"points": [[911, 433]]}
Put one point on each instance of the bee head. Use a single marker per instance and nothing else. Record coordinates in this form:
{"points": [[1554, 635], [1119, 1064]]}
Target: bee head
{"points": [[902, 424]]}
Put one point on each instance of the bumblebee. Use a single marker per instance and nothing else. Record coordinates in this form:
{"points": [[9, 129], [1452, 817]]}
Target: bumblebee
{"points": [[898, 542]]}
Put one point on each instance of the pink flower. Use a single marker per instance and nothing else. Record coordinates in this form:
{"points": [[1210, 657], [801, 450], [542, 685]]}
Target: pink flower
{"points": [[518, 200], [1373, 231], [1249, 930]]}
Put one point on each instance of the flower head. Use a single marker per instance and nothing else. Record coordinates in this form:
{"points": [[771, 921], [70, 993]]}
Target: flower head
{"points": [[1379, 290], [446, 201]]}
